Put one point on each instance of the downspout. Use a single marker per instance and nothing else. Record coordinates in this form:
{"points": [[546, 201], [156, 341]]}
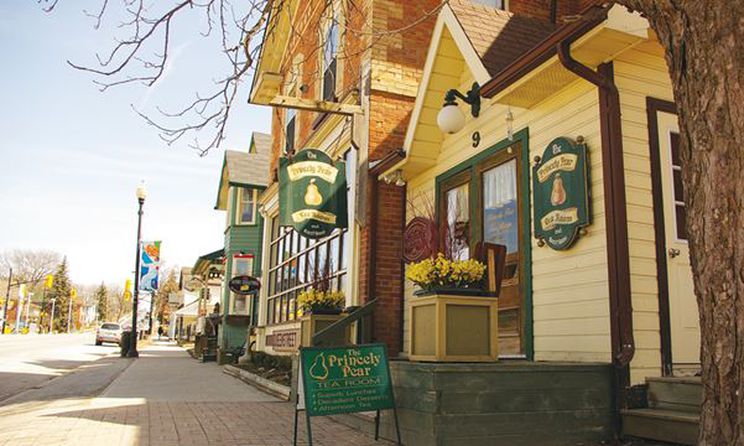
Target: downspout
{"points": [[616, 221], [553, 11]]}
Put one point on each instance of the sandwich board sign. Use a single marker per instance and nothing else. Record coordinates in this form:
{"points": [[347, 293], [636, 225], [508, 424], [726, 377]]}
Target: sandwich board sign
{"points": [[341, 380]]}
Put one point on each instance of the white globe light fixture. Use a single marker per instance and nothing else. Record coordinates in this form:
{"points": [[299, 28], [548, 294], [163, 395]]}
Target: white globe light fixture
{"points": [[141, 191], [450, 118]]}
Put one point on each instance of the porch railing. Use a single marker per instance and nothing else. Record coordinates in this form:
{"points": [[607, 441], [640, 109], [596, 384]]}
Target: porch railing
{"points": [[362, 316]]}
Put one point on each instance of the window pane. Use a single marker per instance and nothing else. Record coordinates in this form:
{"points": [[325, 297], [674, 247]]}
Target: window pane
{"points": [[289, 130], [458, 222], [498, 4], [330, 56], [678, 188], [500, 216], [674, 142], [681, 217], [247, 206]]}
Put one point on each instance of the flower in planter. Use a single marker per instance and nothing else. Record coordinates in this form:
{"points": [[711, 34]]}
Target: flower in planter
{"points": [[312, 300], [441, 272]]}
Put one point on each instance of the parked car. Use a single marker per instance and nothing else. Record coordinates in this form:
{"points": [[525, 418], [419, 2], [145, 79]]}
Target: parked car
{"points": [[108, 332]]}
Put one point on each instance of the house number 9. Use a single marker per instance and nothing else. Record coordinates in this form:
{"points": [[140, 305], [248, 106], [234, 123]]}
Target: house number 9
{"points": [[476, 139]]}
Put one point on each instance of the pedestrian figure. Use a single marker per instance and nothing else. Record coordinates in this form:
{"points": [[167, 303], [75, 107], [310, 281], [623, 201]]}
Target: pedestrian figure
{"points": [[160, 331]]}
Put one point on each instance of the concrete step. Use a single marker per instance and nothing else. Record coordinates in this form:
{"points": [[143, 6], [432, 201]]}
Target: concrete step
{"points": [[682, 394], [663, 425]]}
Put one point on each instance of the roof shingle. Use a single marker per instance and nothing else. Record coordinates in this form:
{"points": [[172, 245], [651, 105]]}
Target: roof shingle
{"points": [[250, 168], [499, 37]]}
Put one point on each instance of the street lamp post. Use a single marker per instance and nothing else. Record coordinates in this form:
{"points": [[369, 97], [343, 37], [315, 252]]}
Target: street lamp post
{"points": [[7, 298], [51, 318], [141, 195]]}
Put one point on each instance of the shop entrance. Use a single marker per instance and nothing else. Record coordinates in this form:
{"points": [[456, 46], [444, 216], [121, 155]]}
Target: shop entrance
{"points": [[673, 252], [483, 202]]}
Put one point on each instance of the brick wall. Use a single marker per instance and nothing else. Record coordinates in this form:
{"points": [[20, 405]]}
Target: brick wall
{"points": [[541, 8], [397, 67]]}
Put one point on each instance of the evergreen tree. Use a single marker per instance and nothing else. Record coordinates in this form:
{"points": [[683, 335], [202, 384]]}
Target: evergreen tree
{"points": [[102, 306], [60, 291]]}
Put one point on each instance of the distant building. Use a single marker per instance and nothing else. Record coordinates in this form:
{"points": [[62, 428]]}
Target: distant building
{"points": [[244, 177]]}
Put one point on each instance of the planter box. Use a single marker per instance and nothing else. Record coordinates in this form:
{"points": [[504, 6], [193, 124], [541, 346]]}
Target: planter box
{"points": [[313, 323], [454, 328]]}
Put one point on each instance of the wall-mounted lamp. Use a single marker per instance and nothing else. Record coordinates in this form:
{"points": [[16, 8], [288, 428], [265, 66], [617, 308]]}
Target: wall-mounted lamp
{"points": [[395, 177], [450, 118]]}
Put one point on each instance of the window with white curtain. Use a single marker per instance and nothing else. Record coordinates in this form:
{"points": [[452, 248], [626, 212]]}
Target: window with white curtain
{"points": [[500, 216]]}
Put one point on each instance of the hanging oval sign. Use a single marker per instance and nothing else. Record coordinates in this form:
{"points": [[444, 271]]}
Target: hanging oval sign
{"points": [[560, 188], [312, 193], [244, 285]]}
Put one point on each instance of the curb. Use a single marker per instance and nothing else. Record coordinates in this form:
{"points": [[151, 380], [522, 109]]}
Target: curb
{"points": [[263, 384]]}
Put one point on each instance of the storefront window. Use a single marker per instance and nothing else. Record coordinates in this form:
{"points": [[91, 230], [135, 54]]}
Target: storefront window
{"points": [[242, 266], [297, 263], [482, 203], [500, 222]]}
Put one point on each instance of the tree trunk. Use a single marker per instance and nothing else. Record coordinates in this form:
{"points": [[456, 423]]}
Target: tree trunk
{"points": [[704, 47]]}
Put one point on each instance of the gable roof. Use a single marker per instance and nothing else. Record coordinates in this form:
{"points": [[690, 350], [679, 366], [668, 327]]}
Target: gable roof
{"points": [[245, 168], [499, 37]]}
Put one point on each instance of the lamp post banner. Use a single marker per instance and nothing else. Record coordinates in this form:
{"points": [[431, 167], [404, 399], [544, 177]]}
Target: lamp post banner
{"points": [[149, 266], [312, 193]]}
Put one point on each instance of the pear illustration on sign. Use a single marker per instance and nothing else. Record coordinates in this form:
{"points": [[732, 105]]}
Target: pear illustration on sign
{"points": [[319, 370], [558, 196], [312, 193], [561, 193]]}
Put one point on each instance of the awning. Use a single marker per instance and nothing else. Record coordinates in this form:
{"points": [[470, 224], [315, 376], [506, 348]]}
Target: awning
{"points": [[189, 310]]}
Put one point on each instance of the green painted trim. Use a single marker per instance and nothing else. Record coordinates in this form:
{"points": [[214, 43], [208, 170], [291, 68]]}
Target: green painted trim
{"points": [[522, 137], [529, 339]]}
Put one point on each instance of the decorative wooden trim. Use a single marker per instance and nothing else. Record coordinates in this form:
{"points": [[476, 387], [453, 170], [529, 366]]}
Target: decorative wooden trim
{"points": [[591, 17], [653, 107]]}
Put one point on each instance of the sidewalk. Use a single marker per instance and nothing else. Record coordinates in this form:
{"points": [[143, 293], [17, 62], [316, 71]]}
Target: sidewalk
{"points": [[165, 398]]}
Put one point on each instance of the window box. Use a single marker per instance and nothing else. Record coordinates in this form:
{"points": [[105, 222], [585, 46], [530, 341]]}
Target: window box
{"points": [[455, 325], [313, 323]]}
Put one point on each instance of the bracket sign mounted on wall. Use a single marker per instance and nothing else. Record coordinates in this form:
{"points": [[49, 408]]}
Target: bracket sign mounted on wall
{"points": [[560, 188]]}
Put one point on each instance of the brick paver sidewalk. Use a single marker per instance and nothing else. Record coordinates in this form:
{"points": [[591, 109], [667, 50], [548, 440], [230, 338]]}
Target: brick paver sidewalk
{"points": [[183, 403]]}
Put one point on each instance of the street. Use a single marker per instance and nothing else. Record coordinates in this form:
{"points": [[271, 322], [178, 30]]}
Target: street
{"points": [[27, 361], [62, 390]]}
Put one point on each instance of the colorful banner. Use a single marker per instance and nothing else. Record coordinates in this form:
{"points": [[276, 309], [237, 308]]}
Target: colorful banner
{"points": [[149, 266]]}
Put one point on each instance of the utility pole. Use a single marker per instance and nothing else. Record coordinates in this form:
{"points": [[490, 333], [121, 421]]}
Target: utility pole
{"points": [[7, 297]]}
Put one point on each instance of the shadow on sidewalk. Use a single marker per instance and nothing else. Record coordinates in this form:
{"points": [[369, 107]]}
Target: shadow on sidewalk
{"points": [[214, 423]]}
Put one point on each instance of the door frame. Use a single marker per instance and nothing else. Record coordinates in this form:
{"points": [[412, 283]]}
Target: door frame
{"points": [[653, 107], [520, 139]]}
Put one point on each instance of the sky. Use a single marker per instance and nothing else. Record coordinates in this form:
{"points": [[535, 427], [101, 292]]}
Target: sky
{"points": [[71, 157]]}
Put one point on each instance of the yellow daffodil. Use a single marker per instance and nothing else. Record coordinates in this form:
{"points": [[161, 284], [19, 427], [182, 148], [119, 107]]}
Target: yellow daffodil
{"points": [[443, 272]]}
